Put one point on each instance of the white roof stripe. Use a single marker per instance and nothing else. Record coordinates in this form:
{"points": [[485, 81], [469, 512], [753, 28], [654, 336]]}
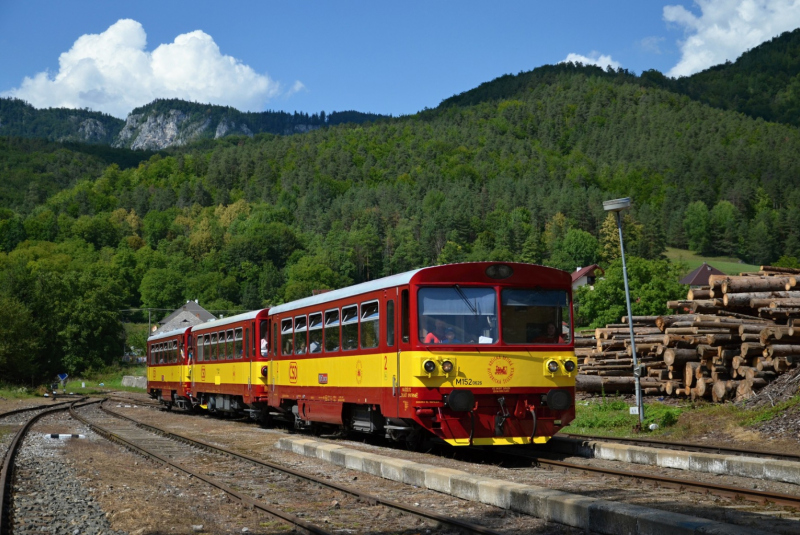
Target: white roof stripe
{"points": [[168, 334], [350, 291], [213, 325]]}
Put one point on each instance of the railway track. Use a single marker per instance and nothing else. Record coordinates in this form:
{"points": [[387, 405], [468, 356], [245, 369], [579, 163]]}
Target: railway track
{"points": [[682, 446], [7, 471], [233, 473], [681, 484], [37, 408]]}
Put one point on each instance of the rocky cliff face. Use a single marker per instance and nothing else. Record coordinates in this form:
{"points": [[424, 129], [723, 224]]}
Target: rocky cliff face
{"points": [[158, 131]]}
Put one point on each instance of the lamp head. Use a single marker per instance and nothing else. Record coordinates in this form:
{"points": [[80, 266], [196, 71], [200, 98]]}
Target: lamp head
{"points": [[617, 205]]}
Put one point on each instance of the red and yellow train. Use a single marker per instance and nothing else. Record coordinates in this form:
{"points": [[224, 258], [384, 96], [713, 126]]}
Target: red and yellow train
{"points": [[476, 353]]}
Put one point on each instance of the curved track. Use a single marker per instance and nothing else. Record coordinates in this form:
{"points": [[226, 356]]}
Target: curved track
{"points": [[128, 432], [6, 473]]}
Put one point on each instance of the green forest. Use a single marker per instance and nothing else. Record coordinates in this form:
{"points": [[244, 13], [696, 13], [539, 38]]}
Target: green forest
{"points": [[514, 170]]}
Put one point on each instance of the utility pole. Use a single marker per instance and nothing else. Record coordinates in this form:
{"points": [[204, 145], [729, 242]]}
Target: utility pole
{"points": [[617, 206]]}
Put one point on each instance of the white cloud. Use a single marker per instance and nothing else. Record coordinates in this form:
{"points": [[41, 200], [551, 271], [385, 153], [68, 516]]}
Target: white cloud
{"points": [[594, 58], [112, 72], [725, 29]]}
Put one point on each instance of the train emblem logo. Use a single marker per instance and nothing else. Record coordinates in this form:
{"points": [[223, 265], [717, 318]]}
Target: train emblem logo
{"points": [[501, 370], [292, 372], [359, 372]]}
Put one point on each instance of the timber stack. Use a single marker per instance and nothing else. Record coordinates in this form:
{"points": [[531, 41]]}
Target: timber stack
{"points": [[727, 340]]}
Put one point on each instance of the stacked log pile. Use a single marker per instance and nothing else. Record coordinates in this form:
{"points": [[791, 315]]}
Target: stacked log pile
{"points": [[731, 339]]}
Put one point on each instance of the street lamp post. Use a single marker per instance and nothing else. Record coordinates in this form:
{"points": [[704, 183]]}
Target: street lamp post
{"points": [[617, 206]]}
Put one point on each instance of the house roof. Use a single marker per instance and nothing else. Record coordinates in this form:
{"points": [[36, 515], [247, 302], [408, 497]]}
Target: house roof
{"points": [[584, 272], [699, 277], [189, 314]]}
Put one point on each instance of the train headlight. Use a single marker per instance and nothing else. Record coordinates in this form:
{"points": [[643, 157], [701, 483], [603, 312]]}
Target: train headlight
{"points": [[569, 366], [264, 370], [447, 366], [429, 366], [552, 366]]}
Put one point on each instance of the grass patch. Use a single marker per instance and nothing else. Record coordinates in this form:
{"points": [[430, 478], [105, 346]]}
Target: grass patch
{"points": [[17, 392], [96, 382], [610, 416], [726, 264]]}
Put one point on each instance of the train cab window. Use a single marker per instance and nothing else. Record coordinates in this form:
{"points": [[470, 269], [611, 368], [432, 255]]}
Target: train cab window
{"points": [[213, 346], [350, 327], [456, 314], [286, 337], [300, 335], [405, 317], [315, 332], [370, 325], [390, 322], [237, 343], [331, 330], [229, 343], [535, 316]]}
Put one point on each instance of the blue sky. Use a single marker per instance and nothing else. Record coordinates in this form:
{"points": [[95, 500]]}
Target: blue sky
{"points": [[395, 58]]}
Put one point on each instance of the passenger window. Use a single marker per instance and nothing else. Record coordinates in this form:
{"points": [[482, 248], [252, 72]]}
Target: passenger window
{"points": [[205, 351], [315, 333], [370, 325], [237, 343], [332, 330], [300, 335], [390, 322], [286, 337], [229, 351], [350, 327], [214, 347], [174, 351]]}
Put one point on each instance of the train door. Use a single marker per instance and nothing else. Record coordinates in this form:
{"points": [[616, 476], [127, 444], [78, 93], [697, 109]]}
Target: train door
{"points": [[272, 349], [189, 362], [389, 358], [403, 322]]}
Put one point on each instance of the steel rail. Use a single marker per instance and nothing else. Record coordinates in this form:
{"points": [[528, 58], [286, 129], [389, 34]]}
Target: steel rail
{"points": [[40, 407], [368, 498], [8, 462], [683, 446], [726, 491]]}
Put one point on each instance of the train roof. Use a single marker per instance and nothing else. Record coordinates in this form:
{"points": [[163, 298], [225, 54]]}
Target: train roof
{"points": [[211, 325], [401, 279], [169, 334], [370, 286]]}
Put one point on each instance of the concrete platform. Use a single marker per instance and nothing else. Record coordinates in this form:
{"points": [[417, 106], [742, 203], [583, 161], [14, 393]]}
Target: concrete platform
{"points": [[601, 516], [734, 465]]}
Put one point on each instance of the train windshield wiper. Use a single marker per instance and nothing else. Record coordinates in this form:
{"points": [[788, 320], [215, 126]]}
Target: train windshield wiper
{"points": [[464, 298]]}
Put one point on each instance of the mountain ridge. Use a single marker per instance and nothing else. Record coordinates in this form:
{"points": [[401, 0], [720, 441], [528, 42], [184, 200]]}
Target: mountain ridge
{"points": [[160, 124]]}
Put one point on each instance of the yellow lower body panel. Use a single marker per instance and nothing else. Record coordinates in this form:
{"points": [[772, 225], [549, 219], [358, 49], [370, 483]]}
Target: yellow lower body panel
{"points": [[496, 441]]}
